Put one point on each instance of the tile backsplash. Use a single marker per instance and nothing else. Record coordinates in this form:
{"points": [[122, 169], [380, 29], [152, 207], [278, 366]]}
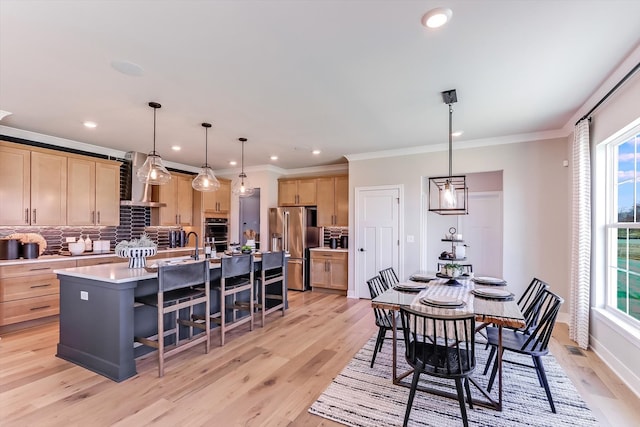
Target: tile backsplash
{"points": [[134, 221], [337, 232]]}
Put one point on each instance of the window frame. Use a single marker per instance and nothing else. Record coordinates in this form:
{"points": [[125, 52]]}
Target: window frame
{"points": [[612, 225]]}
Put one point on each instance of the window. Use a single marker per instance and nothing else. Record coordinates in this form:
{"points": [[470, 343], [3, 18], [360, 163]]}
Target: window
{"points": [[623, 223]]}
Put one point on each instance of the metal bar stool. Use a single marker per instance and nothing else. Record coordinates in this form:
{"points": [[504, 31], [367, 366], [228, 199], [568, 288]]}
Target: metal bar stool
{"points": [[271, 285]]}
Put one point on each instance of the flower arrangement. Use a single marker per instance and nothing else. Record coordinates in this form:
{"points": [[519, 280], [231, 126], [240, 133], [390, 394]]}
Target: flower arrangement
{"points": [[452, 269]]}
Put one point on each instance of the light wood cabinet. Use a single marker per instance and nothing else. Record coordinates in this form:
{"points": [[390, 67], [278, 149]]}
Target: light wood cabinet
{"points": [[93, 196], [219, 201], [329, 270], [333, 201], [33, 186], [297, 192], [177, 194], [29, 291]]}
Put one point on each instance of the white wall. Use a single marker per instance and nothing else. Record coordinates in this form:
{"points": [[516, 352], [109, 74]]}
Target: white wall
{"points": [[536, 204]]}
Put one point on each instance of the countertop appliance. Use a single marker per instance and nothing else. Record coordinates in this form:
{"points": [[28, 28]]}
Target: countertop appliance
{"points": [[297, 227]]}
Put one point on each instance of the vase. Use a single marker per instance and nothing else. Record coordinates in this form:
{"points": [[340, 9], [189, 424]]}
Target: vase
{"points": [[137, 256]]}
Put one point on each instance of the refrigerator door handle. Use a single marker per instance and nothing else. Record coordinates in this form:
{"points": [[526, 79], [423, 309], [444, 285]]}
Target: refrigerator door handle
{"points": [[285, 222]]}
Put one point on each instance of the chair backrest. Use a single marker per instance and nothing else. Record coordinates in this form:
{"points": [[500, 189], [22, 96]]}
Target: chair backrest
{"points": [[442, 345], [377, 287], [529, 303], [182, 275], [389, 277], [549, 306], [272, 260], [236, 266]]}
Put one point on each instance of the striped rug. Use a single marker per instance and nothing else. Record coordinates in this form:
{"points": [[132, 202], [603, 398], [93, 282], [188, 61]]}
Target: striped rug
{"points": [[361, 396]]}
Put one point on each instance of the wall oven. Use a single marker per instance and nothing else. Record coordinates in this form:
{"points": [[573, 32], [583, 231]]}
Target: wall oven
{"points": [[217, 229]]}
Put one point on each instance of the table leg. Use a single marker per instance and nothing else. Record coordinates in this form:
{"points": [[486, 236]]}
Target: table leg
{"points": [[394, 351], [499, 362]]}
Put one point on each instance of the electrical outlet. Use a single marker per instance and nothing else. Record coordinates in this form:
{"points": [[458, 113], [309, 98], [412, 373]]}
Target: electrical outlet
{"points": [[84, 295], [70, 239]]}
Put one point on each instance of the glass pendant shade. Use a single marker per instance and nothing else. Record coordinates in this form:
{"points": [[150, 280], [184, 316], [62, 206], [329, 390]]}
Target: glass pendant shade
{"points": [[206, 180], [242, 187], [153, 171]]}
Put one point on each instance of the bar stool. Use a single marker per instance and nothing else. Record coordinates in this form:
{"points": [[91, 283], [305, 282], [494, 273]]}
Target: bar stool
{"points": [[236, 278], [181, 287], [270, 284]]}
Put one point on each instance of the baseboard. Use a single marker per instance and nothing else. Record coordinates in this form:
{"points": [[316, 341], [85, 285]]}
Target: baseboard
{"points": [[618, 368]]}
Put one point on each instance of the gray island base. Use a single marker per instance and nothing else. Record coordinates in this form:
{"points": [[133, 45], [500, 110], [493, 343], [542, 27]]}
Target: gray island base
{"points": [[99, 317]]}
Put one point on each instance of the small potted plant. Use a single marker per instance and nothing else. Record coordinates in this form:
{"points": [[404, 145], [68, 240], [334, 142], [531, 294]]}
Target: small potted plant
{"points": [[452, 269]]}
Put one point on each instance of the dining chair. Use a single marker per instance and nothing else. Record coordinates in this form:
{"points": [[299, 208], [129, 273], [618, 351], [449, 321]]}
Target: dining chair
{"points": [[384, 318], [270, 286], [389, 277], [533, 343], [441, 346], [180, 287]]}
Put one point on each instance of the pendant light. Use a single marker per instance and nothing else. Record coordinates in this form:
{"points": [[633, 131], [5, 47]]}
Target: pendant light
{"points": [[449, 195], [153, 171], [206, 180], [242, 188]]}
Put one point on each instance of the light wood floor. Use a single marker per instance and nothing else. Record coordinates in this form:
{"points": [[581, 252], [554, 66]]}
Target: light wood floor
{"points": [[268, 377]]}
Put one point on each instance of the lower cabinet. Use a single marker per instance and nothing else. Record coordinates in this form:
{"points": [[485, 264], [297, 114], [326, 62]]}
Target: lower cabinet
{"points": [[329, 270], [29, 291]]}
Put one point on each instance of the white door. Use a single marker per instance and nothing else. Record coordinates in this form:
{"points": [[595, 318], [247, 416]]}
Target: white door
{"points": [[377, 226], [482, 232]]}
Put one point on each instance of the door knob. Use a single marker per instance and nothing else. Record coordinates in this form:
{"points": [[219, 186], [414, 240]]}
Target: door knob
{"points": [[362, 250]]}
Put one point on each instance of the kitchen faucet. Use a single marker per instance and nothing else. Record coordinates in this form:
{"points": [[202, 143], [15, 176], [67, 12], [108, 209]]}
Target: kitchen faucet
{"points": [[195, 255]]}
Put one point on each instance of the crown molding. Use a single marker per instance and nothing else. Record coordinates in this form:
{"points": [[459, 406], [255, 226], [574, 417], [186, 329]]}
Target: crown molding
{"points": [[460, 145]]}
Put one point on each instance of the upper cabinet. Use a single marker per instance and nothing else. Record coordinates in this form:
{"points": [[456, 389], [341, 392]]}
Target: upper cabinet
{"points": [[93, 196], [219, 201], [177, 194], [297, 192], [33, 186], [333, 201]]}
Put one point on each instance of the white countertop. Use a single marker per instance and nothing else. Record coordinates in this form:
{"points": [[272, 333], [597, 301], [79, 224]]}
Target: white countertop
{"points": [[328, 249], [119, 272]]}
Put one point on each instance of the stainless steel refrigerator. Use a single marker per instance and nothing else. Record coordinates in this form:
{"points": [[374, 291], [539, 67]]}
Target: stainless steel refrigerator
{"points": [[294, 230]]}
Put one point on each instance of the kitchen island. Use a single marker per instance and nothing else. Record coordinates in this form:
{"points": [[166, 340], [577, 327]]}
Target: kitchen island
{"points": [[99, 317]]}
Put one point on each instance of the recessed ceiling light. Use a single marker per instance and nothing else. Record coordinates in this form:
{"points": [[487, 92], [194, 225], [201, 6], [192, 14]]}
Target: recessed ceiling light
{"points": [[316, 152], [233, 163], [436, 18], [176, 148], [457, 133], [274, 157], [90, 125], [126, 67]]}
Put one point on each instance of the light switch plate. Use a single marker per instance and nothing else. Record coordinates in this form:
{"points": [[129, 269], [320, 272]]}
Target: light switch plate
{"points": [[84, 295], [410, 239]]}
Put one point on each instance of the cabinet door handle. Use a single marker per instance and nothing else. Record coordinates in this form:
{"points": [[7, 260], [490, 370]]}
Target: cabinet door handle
{"points": [[98, 217], [26, 216], [34, 216], [93, 217], [42, 307], [38, 268], [41, 286]]}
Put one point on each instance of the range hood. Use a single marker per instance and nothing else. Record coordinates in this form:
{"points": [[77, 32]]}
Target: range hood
{"points": [[137, 193]]}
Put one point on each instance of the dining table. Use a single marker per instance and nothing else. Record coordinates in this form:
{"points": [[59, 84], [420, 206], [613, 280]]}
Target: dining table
{"points": [[474, 296]]}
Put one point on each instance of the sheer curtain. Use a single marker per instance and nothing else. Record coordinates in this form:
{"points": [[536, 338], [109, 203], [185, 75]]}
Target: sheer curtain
{"points": [[580, 236]]}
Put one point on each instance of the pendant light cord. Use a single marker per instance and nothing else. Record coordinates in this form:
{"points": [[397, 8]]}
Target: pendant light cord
{"points": [[450, 139], [206, 146], [154, 130]]}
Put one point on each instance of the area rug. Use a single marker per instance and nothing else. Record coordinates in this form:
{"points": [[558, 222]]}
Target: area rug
{"points": [[364, 397]]}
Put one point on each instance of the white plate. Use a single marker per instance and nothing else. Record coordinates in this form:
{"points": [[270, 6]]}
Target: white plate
{"points": [[492, 292], [484, 279], [443, 300], [422, 277], [404, 286]]}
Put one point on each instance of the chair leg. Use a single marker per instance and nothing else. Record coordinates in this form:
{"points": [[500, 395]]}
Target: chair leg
{"points": [[412, 394], [463, 406], [466, 386], [160, 341], [537, 361], [378, 345], [494, 371], [491, 354]]}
